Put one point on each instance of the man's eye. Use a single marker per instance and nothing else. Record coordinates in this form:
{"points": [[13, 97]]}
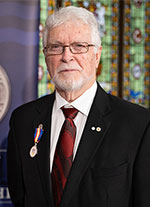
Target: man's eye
{"points": [[55, 46], [79, 45]]}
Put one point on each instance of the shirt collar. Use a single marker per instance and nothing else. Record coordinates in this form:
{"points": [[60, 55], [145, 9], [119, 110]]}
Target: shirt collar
{"points": [[86, 98]]}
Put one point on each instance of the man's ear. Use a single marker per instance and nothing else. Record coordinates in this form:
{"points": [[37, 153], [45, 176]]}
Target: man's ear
{"points": [[98, 55], [46, 61]]}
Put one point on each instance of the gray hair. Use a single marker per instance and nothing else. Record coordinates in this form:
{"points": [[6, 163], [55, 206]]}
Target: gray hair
{"points": [[72, 13]]}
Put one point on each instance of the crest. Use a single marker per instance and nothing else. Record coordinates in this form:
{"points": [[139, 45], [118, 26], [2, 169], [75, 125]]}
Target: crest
{"points": [[4, 93]]}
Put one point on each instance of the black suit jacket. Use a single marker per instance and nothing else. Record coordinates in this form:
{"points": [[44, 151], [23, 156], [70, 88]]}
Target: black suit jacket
{"points": [[111, 167]]}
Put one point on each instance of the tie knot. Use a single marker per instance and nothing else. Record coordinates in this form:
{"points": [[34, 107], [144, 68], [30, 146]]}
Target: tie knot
{"points": [[69, 112]]}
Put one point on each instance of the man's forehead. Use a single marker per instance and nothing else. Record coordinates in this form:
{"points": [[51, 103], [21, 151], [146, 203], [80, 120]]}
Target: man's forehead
{"points": [[77, 25], [70, 29]]}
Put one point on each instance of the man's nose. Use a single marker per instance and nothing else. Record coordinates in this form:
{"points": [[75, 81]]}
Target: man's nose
{"points": [[67, 55]]}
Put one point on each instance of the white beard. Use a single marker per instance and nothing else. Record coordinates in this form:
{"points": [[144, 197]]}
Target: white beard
{"points": [[70, 84]]}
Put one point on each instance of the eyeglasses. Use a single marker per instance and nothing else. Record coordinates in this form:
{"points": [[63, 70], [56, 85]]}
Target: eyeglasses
{"points": [[75, 48]]}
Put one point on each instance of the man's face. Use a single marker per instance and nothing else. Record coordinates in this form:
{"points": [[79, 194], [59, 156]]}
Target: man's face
{"points": [[72, 71]]}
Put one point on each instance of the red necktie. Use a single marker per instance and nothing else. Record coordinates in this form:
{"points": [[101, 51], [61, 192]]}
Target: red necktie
{"points": [[63, 154]]}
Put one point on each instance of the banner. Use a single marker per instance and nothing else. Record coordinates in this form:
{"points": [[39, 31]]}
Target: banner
{"points": [[19, 39]]}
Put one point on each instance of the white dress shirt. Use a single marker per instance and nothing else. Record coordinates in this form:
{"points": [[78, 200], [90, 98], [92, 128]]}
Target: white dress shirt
{"points": [[83, 104]]}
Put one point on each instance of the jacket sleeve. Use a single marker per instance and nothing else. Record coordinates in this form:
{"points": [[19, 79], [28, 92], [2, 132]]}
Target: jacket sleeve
{"points": [[14, 170], [141, 174]]}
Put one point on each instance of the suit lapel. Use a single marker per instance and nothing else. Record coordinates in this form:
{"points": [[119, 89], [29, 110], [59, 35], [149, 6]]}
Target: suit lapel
{"points": [[43, 156], [93, 135]]}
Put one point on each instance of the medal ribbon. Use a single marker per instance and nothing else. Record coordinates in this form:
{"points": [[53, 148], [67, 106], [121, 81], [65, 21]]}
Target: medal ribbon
{"points": [[37, 135]]}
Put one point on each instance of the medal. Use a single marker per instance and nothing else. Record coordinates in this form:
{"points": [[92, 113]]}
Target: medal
{"points": [[37, 136], [33, 150]]}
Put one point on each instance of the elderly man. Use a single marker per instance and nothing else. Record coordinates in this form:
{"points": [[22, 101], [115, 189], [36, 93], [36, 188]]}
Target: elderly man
{"points": [[78, 147]]}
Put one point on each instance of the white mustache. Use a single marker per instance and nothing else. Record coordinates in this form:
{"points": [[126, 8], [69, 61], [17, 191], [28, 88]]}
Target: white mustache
{"points": [[68, 67]]}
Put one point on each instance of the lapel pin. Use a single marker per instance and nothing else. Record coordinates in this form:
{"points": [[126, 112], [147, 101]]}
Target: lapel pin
{"points": [[98, 129], [93, 128], [37, 136]]}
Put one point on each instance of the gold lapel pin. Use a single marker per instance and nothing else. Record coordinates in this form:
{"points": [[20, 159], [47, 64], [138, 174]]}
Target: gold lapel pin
{"points": [[98, 129]]}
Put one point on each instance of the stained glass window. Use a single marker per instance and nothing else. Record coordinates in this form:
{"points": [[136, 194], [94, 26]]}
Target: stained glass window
{"points": [[125, 32], [137, 52], [45, 85]]}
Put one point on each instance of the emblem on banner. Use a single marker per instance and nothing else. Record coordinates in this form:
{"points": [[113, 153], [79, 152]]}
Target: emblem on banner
{"points": [[4, 93]]}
